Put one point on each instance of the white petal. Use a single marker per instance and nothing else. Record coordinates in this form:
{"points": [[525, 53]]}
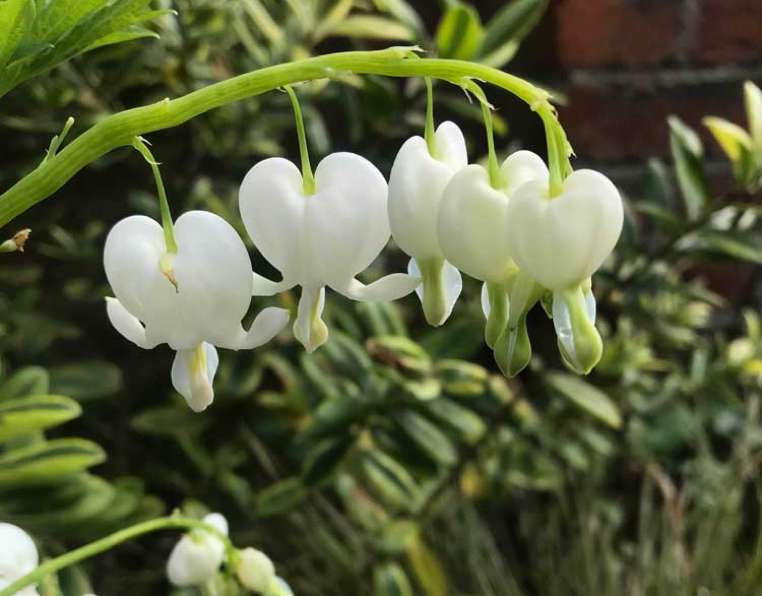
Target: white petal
{"points": [[390, 287], [193, 374], [309, 328], [283, 588], [213, 272], [416, 186], [486, 307], [133, 251], [267, 325], [264, 287], [412, 269], [127, 324], [255, 570], [562, 241], [217, 521], [562, 323], [471, 225], [18, 553], [522, 167], [273, 207], [194, 561], [590, 306], [347, 218]]}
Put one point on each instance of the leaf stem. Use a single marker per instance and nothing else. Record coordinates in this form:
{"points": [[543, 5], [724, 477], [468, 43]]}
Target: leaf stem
{"points": [[89, 550], [120, 129], [307, 176]]}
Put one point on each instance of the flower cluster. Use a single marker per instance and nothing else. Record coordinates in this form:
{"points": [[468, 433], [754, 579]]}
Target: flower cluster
{"points": [[199, 555], [529, 236]]}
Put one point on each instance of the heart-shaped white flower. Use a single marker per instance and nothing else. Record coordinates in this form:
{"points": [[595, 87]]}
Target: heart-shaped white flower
{"points": [[473, 216], [562, 241], [198, 555], [191, 300], [18, 557], [416, 185], [321, 239]]}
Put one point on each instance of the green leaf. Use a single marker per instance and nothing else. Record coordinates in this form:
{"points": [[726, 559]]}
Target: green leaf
{"points": [[460, 33], [16, 18], [390, 479], [428, 570], [732, 244], [133, 32], [389, 579], [462, 420], [509, 27], [326, 460], [282, 496], [28, 414], [169, 421], [371, 27], [688, 153], [731, 137], [586, 396], [86, 380], [403, 12], [59, 16], [32, 380], [43, 462], [427, 437]]}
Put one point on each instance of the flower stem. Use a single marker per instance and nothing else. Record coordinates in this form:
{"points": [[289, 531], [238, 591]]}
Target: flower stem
{"points": [[120, 129], [109, 542], [558, 158], [492, 166], [166, 217], [430, 130], [307, 177]]}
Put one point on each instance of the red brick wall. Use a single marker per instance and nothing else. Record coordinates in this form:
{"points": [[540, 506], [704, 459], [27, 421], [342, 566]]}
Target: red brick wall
{"points": [[625, 65]]}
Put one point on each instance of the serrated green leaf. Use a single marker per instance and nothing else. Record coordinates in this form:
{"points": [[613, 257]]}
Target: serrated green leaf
{"points": [[390, 579], [43, 462], [460, 33], [32, 380], [28, 414], [586, 396], [133, 32], [688, 153], [59, 16], [86, 380]]}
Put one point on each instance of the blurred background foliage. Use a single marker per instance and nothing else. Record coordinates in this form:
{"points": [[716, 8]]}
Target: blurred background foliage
{"points": [[396, 460]]}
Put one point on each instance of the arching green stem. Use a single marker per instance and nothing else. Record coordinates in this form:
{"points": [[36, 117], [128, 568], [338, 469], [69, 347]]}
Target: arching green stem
{"points": [[558, 157], [430, 130], [99, 546], [166, 217], [120, 129], [307, 177]]}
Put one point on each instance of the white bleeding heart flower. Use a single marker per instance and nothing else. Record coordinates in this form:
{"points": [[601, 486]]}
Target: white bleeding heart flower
{"points": [[280, 588], [416, 186], [198, 555], [561, 241], [18, 557], [321, 239], [255, 570], [191, 300], [473, 216]]}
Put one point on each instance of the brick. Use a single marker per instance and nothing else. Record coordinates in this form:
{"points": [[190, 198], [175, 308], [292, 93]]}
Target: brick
{"points": [[628, 122], [729, 31], [606, 33]]}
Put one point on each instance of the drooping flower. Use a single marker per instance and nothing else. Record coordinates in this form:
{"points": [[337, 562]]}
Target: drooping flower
{"points": [[323, 238], [18, 557], [255, 570], [198, 555], [560, 242], [192, 300], [416, 186], [472, 228]]}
